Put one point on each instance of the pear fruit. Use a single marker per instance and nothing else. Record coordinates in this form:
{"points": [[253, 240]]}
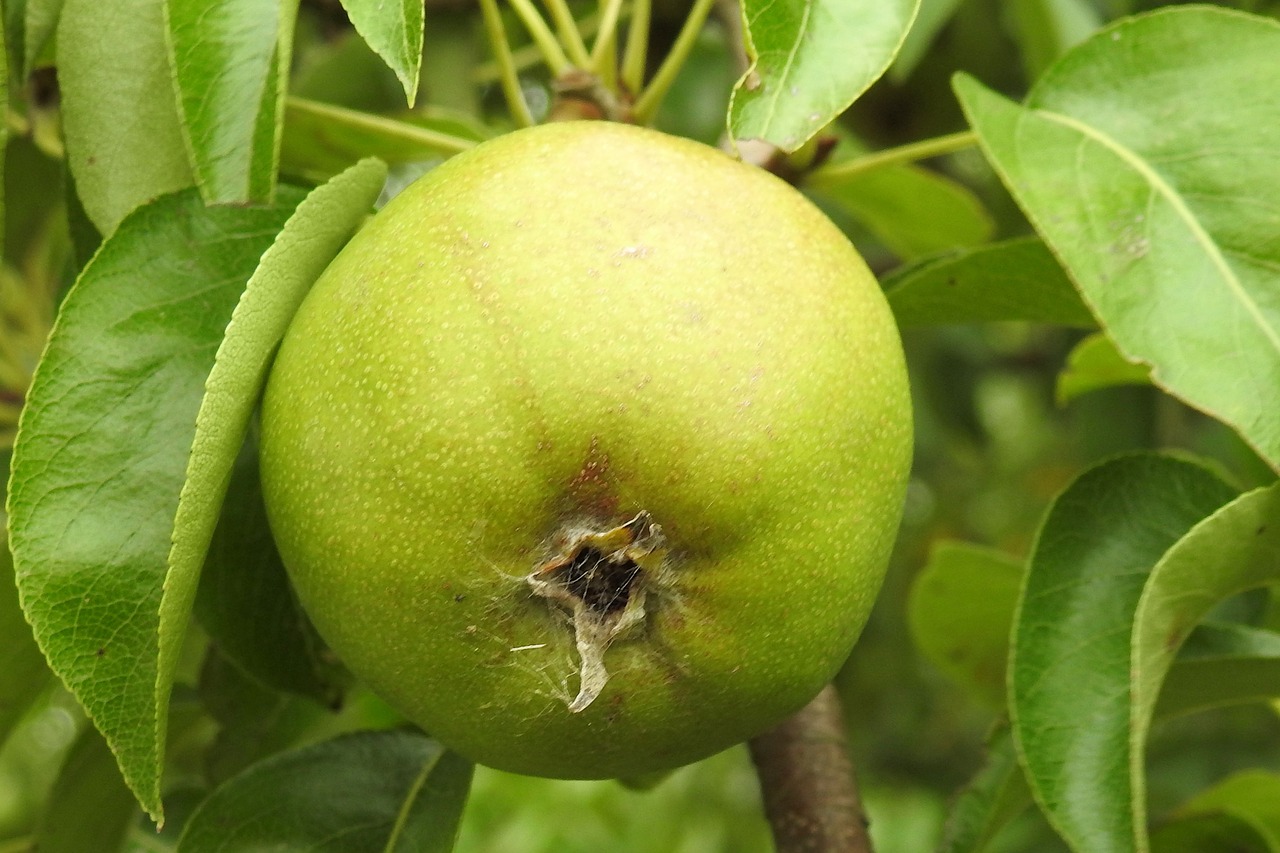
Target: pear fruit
{"points": [[588, 451]]}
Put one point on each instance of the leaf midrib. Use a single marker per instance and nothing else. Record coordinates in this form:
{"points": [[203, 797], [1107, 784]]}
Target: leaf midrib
{"points": [[1166, 190]]}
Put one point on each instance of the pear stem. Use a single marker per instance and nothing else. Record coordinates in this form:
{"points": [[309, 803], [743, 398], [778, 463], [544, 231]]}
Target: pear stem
{"points": [[806, 778], [651, 98], [636, 54], [542, 36], [922, 150], [507, 73], [602, 52], [570, 35]]}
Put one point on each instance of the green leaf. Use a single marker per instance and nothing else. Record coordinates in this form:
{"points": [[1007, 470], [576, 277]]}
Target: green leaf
{"points": [[254, 721], [810, 60], [1013, 280], [230, 64], [1095, 363], [90, 807], [1071, 642], [960, 612], [996, 795], [321, 140], [4, 130], [113, 65], [1209, 832], [245, 602], [1146, 159], [1251, 797], [367, 791], [914, 211], [394, 33], [308, 242], [102, 455], [24, 675], [1238, 665], [1234, 549]]}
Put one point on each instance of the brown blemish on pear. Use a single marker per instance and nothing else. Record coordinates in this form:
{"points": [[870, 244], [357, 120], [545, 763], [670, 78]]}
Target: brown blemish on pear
{"points": [[602, 577]]}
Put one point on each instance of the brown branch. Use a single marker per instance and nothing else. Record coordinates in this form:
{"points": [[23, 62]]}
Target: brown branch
{"points": [[806, 777]]}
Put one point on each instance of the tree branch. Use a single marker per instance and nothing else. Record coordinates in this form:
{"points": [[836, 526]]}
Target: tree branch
{"points": [[806, 777]]}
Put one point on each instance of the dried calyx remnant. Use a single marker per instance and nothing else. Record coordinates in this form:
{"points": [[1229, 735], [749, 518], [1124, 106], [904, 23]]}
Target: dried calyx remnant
{"points": [[601, 576]]}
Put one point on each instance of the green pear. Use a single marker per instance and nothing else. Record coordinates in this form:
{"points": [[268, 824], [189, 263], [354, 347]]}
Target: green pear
{"points": [[587, 453]]}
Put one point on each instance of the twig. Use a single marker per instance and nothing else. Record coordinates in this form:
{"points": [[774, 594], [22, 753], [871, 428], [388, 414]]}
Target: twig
{"points": [[922, 150], [511, 90], [806, 777], [651, 98], [570, 35]]}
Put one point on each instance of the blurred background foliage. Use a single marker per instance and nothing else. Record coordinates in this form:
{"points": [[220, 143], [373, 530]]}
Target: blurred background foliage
{"points": [[993, 443]]}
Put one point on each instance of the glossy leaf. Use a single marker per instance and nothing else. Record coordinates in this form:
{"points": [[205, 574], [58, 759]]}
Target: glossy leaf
{"points": [[103, 449], [1013, 280], [321, 140], [230, 64], [112, 63], [960, 612], [914, 211], [368, 791], [1146, 159], [308, 242], [23, 673], [90, 807], [1071, 643], [1095, 363], [810, 60], [394, 31], [1236, 548]]}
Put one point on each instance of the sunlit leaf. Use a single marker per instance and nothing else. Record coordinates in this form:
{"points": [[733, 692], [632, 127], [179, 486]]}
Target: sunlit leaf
{"points": [[394, 31], [308, 242], [811, 60], [102, 455], [230, 64], [1146, 159]]}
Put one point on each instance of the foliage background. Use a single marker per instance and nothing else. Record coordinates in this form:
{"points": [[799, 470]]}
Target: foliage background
{"points": [[995, 444]]}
